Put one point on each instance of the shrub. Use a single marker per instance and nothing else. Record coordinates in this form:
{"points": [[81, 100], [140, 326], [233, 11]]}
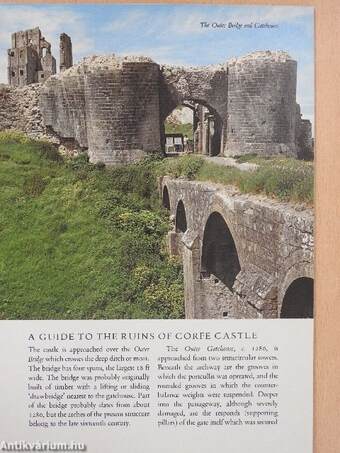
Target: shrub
{"points": [[80, 162], [99, 165], [34, 185], [49, 151], [186, 166], [14, 137]]}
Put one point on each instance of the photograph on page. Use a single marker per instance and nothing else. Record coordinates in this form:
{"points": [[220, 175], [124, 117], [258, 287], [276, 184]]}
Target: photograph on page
{"points": [[156, 227]]}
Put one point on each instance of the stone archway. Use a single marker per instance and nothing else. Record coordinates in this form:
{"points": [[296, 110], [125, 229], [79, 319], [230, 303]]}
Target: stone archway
{"points": [[181, 219], [207, 126], [219, 253], [298, 300], [123, 122]]}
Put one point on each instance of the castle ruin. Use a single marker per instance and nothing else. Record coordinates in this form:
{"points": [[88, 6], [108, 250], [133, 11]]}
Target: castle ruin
{"points": [[66, 58], [115, 107], [30, 59]]}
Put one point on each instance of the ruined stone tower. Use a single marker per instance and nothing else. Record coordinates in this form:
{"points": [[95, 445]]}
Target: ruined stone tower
{"points": [[30, 59], [115, 107], [66, 59]]}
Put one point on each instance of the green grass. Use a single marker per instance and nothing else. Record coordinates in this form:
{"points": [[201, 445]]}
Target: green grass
{"points": [[285, 179], [81, 242], [185, 129]]}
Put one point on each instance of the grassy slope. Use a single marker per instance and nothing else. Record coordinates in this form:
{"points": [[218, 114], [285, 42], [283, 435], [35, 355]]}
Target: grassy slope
{"points": [[77, 241], [80, 242]]}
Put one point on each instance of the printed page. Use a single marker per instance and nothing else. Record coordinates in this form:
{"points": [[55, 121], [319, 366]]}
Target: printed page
{"points": [[156, 228]]}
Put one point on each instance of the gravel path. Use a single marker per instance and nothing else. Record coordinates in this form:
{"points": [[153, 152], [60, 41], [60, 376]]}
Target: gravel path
{"points": [[231, 162]]}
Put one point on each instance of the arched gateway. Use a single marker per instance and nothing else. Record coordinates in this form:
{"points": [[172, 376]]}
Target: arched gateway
{"points": [[116, 106]]}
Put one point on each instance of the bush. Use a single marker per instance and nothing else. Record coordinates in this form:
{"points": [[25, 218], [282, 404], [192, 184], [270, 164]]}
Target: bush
{"points": [[49, 151], [80, 162], [14, 137], [186, 166], [34, 185]]}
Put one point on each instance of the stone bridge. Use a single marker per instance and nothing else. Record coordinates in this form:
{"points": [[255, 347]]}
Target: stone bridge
{"points": [[244, 256]]}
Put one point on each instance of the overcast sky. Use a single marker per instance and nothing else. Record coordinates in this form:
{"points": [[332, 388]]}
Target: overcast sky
{"points": [[171, 34]]}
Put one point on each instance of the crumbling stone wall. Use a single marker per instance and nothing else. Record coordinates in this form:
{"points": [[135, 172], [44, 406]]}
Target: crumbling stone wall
{"points": [[274, 243], [19, 109], [65, 49], [30, 59], [62, 103], [115, 107], [109, 105]]}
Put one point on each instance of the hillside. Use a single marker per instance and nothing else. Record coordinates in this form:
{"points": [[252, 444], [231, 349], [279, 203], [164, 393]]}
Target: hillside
{"points": [[78, 241]]}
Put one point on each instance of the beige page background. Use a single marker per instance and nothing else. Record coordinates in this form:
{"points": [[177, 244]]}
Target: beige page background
{"points": [[327, 311]]}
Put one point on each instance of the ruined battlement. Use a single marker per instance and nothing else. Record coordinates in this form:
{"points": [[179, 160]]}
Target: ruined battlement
{"points": [[115, 107], [65, 47], [278, 56], [30, 59]]}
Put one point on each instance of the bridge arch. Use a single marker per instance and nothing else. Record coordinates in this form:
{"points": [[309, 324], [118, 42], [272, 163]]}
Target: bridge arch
{"points": [[298, 300], [181, 218], [166, 198], [219, 253]]}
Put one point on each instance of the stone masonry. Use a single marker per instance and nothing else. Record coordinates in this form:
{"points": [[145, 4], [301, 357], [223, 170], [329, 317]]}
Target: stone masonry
{"points": [[243, 255], [115, 107], [19, 109], [30, 59], [66, 58]]}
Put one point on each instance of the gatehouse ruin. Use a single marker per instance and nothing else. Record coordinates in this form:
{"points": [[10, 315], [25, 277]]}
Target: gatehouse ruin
{"points": [[115, 107], [243, 256]]}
